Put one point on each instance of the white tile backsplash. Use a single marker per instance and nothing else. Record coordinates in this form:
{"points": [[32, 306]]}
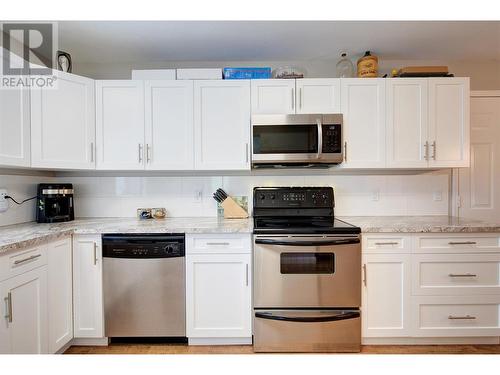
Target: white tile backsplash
{"points": [[192, 195], [20, 187]]}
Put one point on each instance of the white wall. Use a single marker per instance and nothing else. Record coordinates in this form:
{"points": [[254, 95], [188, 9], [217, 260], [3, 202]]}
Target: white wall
{"points": [[20, 187], [485, 75], [355, 195]]}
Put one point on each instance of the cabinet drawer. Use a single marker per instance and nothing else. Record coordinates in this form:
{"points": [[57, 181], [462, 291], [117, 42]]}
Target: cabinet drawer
{"points": [[457, 316], [389, 244], [218, 244], [21, 261], [457, 243], [456, 274]]}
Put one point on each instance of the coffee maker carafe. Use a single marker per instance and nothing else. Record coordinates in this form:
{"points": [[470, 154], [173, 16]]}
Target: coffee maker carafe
{"points": [[54, 203]]}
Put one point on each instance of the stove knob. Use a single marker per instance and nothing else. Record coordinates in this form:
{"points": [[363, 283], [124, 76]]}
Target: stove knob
{"points": [[262, 196], [273, 196]]}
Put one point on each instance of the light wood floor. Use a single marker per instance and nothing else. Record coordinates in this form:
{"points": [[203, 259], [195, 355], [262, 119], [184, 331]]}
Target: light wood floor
{"points": [[246, 349]]}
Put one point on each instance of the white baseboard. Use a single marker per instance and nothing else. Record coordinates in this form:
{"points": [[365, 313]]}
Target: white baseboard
{"points": [[64, 348], [429, 340], [220, 341], [90, 341]]}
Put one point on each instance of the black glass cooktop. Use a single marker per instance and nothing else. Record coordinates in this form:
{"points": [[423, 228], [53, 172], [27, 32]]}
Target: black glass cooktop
{"points": [[303, 225]]}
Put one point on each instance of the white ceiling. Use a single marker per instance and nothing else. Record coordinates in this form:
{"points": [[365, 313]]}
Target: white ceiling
{"points": [[146, 41]]}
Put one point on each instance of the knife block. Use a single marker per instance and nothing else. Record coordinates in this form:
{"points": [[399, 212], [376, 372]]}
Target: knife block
{"points": [[233, 210]]}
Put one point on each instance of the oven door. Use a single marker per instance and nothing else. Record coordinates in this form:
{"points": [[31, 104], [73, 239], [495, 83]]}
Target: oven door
{"points": [[298, 271]]}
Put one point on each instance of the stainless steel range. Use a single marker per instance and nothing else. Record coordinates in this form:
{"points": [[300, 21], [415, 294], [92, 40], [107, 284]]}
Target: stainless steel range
{"points": [[307, 281]]}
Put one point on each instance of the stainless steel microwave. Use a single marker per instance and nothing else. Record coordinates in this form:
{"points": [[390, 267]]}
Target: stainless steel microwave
{"points": [[296, 140]]}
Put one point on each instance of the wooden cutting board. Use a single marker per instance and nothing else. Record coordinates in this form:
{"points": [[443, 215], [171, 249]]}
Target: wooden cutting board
{"points": [[423, 70]]}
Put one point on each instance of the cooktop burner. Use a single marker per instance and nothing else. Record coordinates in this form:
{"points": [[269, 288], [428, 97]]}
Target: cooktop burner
{"points": [[301, 210]]}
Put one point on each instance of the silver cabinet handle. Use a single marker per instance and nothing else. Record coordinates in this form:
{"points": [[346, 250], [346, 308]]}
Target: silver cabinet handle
{"points": [[247, 274], [466, 317], [433, 145], [247, 151], [148, 153], [345, 151], [293, 98], [8, 307], [300, 98], [386, 243], [218, 243], [95, 254], [140, 153], [426, 149], [16, 262], [364, 274], [91, 152], [462, 275], [462, 243]]}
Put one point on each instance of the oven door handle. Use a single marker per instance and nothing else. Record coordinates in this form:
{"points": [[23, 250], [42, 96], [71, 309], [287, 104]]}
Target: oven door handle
{"points": [[309, 319], [262, 241]]}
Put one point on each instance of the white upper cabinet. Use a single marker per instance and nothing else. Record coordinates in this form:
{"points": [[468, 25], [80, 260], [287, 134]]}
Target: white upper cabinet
{"points": [[407, 145], [222, 124], [449, 122], [169, 125], [363, 107], [15, 127], [63, 124], [120, 125], [318, 95], [273, 96]]}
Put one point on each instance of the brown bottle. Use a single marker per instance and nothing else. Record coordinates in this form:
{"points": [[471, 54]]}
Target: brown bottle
{"points": [[368, 66]]}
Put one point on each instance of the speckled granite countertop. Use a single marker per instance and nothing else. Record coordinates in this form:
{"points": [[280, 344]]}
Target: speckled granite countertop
{"points": [[20, 235], [14, 237], [420, 224]]}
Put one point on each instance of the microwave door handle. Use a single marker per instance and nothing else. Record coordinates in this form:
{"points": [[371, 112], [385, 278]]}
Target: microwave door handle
{"points": [[348, 241], [309, 319], [320, 138]]}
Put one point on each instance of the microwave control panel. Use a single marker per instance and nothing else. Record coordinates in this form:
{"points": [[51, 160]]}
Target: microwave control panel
{"points": [[332, 139]]}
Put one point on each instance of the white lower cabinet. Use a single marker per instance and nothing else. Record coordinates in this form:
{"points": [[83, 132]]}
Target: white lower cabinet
{"points": [[431, 286], [60, 293], [218, 293], [386, 295], [23, 329], [87, 287]]}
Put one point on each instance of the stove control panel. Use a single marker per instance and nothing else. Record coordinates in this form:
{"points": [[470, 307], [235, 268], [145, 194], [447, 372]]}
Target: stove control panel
{"points": [[290, 197]]}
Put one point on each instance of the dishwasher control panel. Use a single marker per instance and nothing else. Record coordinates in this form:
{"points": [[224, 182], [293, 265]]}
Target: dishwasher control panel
{"points": [[143, 246]]}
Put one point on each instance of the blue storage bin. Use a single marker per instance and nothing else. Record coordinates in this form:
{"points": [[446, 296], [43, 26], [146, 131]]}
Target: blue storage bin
{"points": [[247, 73]]}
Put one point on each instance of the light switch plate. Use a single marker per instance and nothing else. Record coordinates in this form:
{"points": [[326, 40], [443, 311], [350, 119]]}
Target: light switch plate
{"points": [[4, 204]]}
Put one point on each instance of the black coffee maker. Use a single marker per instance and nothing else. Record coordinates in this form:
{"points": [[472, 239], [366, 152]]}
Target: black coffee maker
{"points": [[54, 203]]}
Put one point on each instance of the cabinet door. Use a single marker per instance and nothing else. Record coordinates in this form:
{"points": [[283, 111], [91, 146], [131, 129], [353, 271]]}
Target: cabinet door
{"points": [[60, 293], [363, 107], [449, 122], [273, 96], [218, 295], [407, 124], [386, 295], [15, 127], [24, 327], [87, 287], [120, 125], [222, 125], [63, 124], [169, 125], [318, 95]]}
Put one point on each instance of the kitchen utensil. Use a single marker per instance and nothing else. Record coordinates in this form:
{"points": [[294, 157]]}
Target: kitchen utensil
{"points": [[231, 209]]}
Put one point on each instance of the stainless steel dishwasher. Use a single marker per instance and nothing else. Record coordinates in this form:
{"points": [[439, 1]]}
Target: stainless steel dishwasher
{"points": [[144, 285]]}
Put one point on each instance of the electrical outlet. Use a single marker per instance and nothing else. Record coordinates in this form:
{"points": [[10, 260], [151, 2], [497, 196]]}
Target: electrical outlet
{"points": [[4, 204], [375, 195], [437, 196], [198, 196]]}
